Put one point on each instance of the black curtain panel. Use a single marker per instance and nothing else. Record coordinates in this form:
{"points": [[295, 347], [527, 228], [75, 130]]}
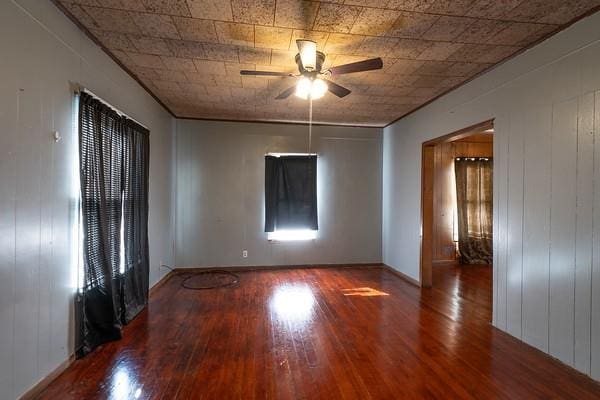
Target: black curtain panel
{"points": [[135, 219], [290, 192], [113, 157], [100, 157]]}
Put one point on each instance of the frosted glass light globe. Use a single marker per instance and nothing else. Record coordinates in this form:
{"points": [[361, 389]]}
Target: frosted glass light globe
{"points": [[313, 89]]}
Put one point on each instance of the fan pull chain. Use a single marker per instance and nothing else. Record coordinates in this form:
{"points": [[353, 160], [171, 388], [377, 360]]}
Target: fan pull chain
{"points": [[309, 124]]}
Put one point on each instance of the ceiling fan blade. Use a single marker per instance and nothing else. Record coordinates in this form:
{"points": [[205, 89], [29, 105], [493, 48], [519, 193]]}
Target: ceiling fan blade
{"points": [[360, 66], [338, 90], [264, 73], [286, 93]]}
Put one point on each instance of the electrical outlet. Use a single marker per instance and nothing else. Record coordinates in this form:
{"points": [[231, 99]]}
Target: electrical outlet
{"points": [[245, 253]]}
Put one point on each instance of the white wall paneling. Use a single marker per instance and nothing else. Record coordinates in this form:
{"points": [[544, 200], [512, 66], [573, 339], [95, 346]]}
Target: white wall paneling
{"points": [[563, 204], [547, 197], [584, 232], [595, 275], [501, 146], [42, 52], [220, 194], [536, 228], [514, 222]]}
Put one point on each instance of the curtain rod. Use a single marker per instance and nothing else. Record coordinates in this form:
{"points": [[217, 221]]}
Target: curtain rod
{"points": [[79, 89]]}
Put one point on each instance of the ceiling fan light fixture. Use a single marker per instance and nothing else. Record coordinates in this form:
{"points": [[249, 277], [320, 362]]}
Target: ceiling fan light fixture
{"points": [[308, 53], [311, 88]]}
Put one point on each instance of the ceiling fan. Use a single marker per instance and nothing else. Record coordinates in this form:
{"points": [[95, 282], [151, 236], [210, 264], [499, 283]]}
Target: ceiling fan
{"points": [[310, 63]]}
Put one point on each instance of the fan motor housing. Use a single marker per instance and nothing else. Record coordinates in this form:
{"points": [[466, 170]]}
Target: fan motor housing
{"points": [[319, 63]]}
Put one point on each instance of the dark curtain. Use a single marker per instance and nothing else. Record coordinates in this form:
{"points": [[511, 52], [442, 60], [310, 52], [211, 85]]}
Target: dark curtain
{"points": [[290, 192], [474, 180], [135, 215], [113, 157]]}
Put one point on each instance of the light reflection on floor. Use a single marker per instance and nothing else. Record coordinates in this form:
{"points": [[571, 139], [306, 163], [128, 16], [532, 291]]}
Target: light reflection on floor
{"points": [[124, 384], [293, 303], [456, 310]]}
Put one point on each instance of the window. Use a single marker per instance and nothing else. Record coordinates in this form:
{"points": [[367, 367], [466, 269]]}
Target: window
{"points": [[291, 196]]}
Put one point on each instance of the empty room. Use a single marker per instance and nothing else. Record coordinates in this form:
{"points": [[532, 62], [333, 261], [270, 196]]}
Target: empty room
{"points": [[297, 199]]}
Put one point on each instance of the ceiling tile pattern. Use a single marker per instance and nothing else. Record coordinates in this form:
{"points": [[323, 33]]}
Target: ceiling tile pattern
{"points": [[188, 53]]}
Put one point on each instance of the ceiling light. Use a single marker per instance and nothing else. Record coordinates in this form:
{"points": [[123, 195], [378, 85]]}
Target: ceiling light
{"points": [[308, 53], [311, 88]]}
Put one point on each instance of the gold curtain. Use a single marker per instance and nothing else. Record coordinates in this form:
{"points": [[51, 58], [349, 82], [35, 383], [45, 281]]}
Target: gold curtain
{"points": [[474, 177]]}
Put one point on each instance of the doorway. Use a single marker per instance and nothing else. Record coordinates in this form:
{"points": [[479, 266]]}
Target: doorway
{"points": [[456, 240]]}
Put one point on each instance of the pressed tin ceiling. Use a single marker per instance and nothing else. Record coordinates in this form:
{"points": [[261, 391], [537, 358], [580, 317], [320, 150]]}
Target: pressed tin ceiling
{"points": [[189, 53]]}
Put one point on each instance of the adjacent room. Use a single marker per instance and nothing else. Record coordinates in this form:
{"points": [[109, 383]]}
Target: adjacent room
{"points": [[457, 198], [297, 199]]}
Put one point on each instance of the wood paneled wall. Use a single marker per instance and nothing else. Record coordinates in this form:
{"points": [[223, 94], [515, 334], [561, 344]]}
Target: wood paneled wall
{"points": [[220, 194], [546, 109], [548, 227], [42, 52], [444, 192]]}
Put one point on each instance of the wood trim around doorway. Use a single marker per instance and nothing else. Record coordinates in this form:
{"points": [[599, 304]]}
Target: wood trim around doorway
{"points": [[427, 186]]}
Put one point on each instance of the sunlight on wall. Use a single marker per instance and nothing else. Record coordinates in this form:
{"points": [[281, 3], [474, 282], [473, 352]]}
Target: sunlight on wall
{"points": [[75, 211]]}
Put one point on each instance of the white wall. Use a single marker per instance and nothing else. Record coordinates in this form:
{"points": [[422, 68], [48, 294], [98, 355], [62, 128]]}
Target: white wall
{"points": [[41, 51], [220, 194], [546, 107]]}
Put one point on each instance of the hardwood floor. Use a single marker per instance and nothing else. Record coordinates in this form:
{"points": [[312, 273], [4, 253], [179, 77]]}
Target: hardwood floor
{"points": [[345, 333], [471, 283]]}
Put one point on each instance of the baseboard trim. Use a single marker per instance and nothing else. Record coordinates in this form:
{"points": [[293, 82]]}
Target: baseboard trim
{"points": [[161, 282], [238, 268], [402, 276], [249, 268], [36, 389], [45, 381]]}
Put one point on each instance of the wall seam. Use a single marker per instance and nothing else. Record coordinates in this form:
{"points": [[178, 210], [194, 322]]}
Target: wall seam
{"points": [[39, 251], [52, 281], [576, 231], [549, 238], [594, 127], [523, 143], [18, 118], [506, 232]]}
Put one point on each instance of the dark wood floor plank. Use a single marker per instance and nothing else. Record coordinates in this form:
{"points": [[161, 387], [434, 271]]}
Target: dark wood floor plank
{"points": [[321, 333]]}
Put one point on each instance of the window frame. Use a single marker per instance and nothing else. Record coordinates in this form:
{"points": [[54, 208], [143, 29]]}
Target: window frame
{"points": [[294, 235]]}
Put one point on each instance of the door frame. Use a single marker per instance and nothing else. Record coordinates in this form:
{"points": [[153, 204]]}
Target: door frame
{"points": [[427, 187]]}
